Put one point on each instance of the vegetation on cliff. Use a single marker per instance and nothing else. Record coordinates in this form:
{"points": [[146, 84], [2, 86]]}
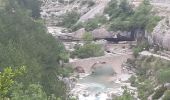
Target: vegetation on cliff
{"points": [[151, 73], [125, 18]]}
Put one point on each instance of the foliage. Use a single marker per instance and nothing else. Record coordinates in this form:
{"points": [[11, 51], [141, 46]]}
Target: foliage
{"points": [[120, 14], [124, 18], [159, 93], [32, 92], [136, 51], [7, 79], [152, 23], [32, 5], [25, 42], [167, 95], [133, 80], [145, 89], [89, 50], [77, 26], [91, 24], [142, 15], [126, 96], [143, 45], [148, 70], [70, 19], [94, 23], [87, 37], [66, 71], [163, 76]]}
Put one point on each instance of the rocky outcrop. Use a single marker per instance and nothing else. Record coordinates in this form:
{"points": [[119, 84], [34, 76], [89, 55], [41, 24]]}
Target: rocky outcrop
{"points": [[161, 34], [53, 9], [98, 34], [101, 33]]}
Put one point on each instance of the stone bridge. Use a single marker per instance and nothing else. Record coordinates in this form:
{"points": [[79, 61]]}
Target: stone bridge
{"points": [[115, 61]]}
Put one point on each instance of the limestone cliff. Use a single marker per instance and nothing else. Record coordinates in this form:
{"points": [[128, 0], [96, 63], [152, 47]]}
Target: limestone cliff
{"points": [[161, 34]]}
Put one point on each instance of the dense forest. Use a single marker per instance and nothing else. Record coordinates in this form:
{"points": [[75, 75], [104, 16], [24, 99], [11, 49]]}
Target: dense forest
{"points": [[24, 42]]}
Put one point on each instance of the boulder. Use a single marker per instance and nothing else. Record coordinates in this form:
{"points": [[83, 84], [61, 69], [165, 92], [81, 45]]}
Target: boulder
{"points": [[79, 34], [101, 33]]}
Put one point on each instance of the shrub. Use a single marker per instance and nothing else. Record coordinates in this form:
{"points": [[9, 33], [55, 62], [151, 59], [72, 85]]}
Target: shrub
{"points": [[89, 50], [77, 26], [136, 51], [163, 75], [159, 93], [70, 18], [132, 80], [91, 25], [167, 95], [95, 23], [143, 45]]}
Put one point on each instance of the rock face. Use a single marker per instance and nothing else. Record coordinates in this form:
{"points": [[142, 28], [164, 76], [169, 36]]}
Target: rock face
{"points": [[97, 10], [161, 34], [53, 9]]}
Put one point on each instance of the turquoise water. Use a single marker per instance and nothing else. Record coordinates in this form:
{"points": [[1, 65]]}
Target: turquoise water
{"points": [[97, 82]]}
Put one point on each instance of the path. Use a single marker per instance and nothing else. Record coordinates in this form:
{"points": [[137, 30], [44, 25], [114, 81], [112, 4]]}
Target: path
{"points": [[147, 53]]}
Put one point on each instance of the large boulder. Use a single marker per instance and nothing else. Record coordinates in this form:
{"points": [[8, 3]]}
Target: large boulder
{"points": [[79, 34], [101, 33], [161, 34]]}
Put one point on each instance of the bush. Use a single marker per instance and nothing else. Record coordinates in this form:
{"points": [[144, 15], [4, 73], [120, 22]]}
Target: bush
{"points": [[133, 82], [89, 50], [136, 51], [159, 93], [164, 76], [126, 95], [66, 71], [77, 26], [70, 18], [167, 95], [94, 23], [143, 45]]}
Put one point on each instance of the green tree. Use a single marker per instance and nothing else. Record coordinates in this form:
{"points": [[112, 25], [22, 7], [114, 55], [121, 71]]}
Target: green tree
{"points": [[32, 92], [142, 15], [24, 41], [7, 79], [32, 5]]}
